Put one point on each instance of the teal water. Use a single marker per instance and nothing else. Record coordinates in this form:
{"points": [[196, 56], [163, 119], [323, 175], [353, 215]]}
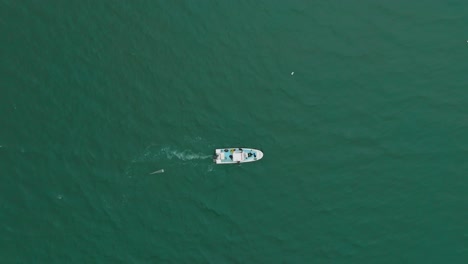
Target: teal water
{"points": [[365, 146]]}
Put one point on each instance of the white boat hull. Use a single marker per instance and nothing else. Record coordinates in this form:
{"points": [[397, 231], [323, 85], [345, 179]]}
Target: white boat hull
{"points": [[236, 155]]}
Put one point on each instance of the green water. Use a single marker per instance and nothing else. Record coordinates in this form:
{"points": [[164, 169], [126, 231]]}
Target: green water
{"points": [[365, 146]]}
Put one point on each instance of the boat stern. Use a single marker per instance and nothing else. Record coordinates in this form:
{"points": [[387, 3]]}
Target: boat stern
{"points": [[218, 156]]}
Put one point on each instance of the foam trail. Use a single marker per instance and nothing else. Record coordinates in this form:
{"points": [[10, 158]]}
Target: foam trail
{"points": [[153, 153], [184, 155], [158, 171]]}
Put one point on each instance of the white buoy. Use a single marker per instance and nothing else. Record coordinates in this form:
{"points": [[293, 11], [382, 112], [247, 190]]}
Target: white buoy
{"points": [[292, 73]]}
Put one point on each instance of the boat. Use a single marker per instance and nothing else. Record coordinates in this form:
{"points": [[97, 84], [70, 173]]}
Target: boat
{"points": [[236, 155]]}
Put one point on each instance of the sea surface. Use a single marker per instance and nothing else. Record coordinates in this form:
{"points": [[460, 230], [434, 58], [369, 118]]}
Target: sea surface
{"points": [[361, 109]]}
